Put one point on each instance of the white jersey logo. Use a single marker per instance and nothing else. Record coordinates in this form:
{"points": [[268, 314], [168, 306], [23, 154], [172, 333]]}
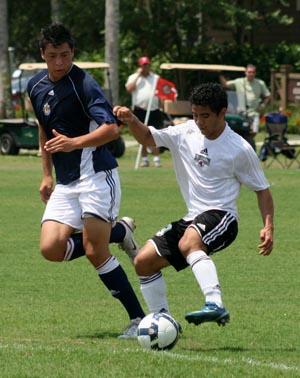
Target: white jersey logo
{"points": [[202, 158], [46, 109], [51, 93]]}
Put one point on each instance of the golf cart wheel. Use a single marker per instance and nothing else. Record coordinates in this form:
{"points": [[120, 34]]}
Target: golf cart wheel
{"points": [[8, 145]]}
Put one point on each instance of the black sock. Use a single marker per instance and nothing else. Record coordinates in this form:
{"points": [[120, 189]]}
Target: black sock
{"points": [[117, 283], [117, 234], [75, 247]]}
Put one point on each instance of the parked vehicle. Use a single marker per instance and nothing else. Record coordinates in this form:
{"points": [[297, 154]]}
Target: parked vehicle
{"points": [[187, 75]]}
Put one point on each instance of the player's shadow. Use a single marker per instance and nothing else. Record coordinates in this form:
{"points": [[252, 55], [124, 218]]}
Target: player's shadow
{"points": [[237, 349], [99, 335]]}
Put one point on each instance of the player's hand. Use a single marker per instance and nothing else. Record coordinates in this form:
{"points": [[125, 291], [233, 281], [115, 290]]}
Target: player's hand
{"points": [[123, 113], [266, 237], [46, 188], [60, 143]]}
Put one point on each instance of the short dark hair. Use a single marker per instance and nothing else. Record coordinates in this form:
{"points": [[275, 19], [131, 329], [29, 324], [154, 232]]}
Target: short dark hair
{"points": [[56, 34], [212, 95]]}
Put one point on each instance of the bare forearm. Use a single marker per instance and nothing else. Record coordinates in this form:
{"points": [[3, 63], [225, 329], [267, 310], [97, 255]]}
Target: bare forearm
{"points": [[140, 131], [46, 157], [104, 134], [266, 207]]}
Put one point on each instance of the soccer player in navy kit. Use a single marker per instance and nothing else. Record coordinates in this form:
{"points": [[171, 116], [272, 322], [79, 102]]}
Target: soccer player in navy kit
{"points": [[211, 163], [75, 123]]}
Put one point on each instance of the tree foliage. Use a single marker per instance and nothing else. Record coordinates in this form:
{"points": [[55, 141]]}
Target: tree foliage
{"points": [[166, 30]]}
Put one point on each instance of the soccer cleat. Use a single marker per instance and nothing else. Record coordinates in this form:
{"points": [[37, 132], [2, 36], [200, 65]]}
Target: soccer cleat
{"points": [[210, 312], [129, 245], [157, 164], [130, 332]]}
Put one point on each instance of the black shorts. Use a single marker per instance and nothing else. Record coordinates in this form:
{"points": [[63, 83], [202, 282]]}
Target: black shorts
{"points": [[155, 117], [217, 229]]}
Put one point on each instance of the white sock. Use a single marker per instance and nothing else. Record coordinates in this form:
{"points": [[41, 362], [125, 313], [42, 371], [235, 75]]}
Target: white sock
{"points": [[206, 275], [154, 292], [156, 159]]}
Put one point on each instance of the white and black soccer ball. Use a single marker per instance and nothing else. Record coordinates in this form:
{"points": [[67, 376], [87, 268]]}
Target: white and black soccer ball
{"points": [[158, 331]]}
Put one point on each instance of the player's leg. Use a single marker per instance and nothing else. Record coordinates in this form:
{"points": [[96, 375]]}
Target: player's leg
{"points": [[96, 235], [100, 206], [210, 232], [159, 252], [61, 217], [148, 265], [122, 233], [54, 240]]}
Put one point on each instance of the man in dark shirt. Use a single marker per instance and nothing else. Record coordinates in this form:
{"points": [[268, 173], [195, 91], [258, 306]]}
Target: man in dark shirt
{"points": [[75, 124]]}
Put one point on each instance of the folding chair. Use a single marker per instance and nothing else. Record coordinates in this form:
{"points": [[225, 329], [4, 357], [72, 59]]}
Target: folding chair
{"points": [[276, 147]]}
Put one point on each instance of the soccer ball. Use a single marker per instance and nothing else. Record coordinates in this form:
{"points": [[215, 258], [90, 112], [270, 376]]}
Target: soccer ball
{"points": [[158, 331]]}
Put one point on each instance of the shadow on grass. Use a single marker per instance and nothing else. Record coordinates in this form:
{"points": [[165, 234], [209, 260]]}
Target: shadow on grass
{"points": [[238, 349], [100, 335]]}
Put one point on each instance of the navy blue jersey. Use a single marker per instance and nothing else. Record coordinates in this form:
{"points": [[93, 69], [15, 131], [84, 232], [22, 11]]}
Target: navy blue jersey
{"points": [[74, 105]]}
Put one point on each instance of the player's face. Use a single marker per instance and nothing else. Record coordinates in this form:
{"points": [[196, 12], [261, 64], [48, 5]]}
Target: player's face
{"points": [[58, 59], [210, 124]]}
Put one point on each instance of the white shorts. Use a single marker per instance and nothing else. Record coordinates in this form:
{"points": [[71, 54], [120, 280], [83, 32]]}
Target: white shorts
{"points": [[98, 196]]}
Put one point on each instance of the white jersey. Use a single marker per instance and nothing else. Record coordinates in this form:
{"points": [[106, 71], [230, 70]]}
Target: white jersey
{"points": [[210, 172], [144, 90]]}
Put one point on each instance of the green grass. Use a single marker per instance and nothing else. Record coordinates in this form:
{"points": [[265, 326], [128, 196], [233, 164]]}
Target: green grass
{"points": [[57, 320]]}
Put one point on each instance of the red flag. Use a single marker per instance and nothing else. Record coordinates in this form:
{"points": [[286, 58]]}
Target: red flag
{"points": [[166, 90]]}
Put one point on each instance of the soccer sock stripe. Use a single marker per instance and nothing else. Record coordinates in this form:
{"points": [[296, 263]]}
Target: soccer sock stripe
{"points": [[154, 292], [144, 280], [74, 247], [206, 275]]}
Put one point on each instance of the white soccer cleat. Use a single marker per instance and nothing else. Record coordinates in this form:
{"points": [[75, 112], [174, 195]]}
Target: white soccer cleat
{"points": [[130, 332], [129, 245]]}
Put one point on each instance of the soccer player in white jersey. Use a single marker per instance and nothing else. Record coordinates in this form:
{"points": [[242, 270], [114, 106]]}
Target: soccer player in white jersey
{"points": [[75, 124], [211, 163]]}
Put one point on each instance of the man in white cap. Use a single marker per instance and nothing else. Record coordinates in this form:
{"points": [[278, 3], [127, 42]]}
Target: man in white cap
{"points": [[141, 86]]}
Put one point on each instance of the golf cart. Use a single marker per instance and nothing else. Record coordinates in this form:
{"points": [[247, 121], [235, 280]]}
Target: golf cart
{"points": [[22, 132], [189, 75]]}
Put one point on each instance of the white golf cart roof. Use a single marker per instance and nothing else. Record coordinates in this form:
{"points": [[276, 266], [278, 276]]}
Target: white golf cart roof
{"points": [[83, 65], [207, 67]]}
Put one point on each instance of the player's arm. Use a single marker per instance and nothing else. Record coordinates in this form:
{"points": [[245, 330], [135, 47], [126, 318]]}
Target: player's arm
{"points": [[46, 186], [102, 135], [266, 207], [227, 84], [140, 131]]}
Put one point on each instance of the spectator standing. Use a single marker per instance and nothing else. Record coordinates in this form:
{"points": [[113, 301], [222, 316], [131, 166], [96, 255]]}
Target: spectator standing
{"points": [[141, 85], [253, 95]]}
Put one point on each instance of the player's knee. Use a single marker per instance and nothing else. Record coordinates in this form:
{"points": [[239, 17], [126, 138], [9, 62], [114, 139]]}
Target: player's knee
{"points": [[184, 245], [142, 266], [52, 253]]}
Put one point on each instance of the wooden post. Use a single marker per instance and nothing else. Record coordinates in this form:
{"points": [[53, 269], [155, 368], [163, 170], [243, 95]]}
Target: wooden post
{"points": [[284, 69]]}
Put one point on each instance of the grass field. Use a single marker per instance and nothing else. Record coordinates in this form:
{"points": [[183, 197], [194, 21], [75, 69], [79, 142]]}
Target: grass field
{"points": [[57, 320]]}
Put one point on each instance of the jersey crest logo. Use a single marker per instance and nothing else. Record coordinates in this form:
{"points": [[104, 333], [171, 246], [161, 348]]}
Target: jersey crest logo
{"points": [[51, 93], [46, 109], [202, 158]]}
